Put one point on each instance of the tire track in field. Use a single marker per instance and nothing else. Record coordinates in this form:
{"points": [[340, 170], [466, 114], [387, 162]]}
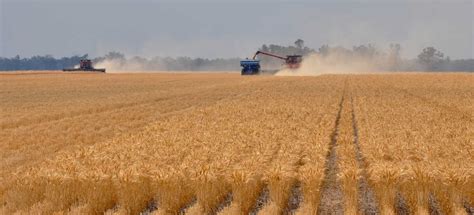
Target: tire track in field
{"points": [[332, 196], [295, 199], [401, 205], [188, 205], [366, 197], [261, 201], [433, 205], [226, 201], [469, 207], [151, 206]]}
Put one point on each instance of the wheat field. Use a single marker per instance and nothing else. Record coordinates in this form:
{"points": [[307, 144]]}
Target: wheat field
{"points": [[220, 143]]}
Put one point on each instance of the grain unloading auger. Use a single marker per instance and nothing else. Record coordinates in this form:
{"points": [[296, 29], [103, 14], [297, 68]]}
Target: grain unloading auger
{"points": [[252, 66], [85, 65]]}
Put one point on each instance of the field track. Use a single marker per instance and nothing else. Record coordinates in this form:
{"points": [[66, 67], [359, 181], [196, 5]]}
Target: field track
{"points": [[226, 144]]}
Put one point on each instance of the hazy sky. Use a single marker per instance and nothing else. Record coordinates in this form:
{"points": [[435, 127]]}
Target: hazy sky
{"points": [[230, 28]]}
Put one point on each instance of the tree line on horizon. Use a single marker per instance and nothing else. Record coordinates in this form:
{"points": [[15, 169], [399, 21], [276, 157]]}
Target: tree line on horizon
{"points": [[429, 59]]}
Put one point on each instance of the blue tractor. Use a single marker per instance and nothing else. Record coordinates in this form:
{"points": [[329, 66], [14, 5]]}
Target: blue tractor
{"points": [[250, 67]]}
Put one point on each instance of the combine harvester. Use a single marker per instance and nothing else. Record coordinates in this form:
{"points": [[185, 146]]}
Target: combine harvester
{"points": [[252, 66], [84, 66]]}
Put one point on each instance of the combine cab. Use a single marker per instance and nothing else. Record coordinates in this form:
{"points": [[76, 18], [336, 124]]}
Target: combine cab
{"points": [[84, 66], [293, 61], [252, 67]]}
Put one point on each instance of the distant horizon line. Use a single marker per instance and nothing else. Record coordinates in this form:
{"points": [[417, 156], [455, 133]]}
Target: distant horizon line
{"points": [[174, 57]]}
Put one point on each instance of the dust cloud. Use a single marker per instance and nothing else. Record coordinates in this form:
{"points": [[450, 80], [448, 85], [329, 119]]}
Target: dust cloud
{"points": [[315, 64], [120, 66]]}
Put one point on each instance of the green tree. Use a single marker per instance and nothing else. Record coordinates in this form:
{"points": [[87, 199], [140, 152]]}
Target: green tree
{"points": [[430, 58], [299, 43]]}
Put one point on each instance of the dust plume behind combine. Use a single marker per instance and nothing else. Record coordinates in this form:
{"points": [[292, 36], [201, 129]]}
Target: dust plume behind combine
{"points": [[162, 64], [317, 64], [120, 66], [312, 65]]}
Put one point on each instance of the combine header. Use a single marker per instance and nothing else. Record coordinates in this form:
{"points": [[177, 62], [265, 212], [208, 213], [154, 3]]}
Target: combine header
{"points": [[84, 66], [252, 66]]}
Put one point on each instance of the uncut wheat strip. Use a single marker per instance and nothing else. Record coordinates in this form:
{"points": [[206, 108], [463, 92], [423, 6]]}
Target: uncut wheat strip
{"points": [[374, 111], [20, 135], [228, 154], [436, 110], [89, 90], [136, 97], [454, 92], [125, 149], [234, 144], [279, 182], [247, 182], [191, 97], [59, 129]]}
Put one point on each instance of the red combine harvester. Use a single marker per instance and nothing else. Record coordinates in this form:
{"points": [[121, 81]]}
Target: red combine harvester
{"points": [[85, 65], [252, 67]]}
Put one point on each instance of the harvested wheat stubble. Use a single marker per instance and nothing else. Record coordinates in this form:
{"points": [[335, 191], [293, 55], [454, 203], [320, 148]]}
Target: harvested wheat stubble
{"points": [[225, 144]]}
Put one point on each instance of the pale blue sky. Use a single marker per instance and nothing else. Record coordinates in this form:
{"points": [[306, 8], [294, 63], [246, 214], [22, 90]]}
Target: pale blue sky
{"points": [[229, 28]]}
